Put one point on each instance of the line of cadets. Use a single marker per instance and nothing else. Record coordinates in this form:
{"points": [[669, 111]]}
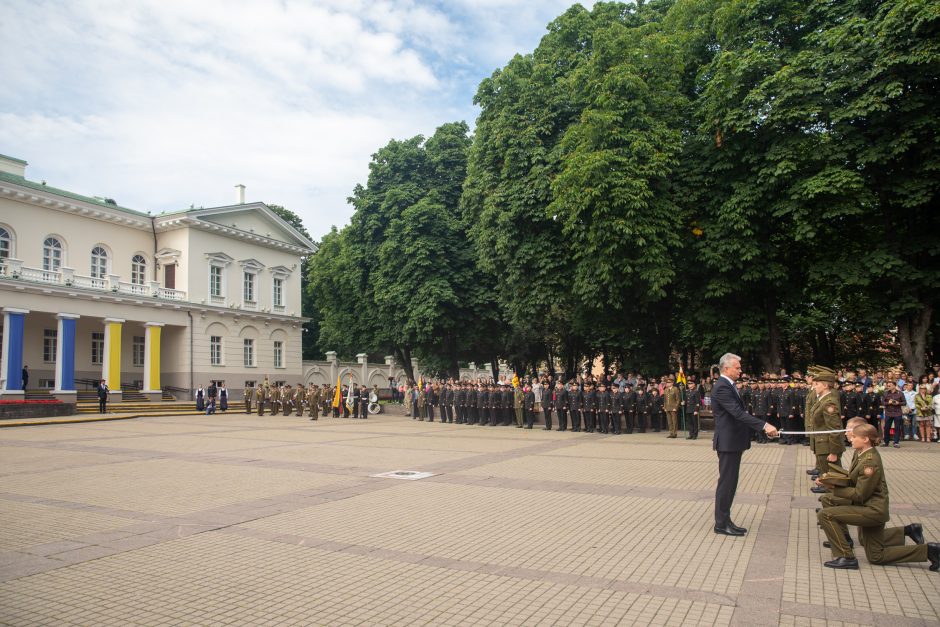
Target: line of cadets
{"points": [[311, 400], [591, 407]]}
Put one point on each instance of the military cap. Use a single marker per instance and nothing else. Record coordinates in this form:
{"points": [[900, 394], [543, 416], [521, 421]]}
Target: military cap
{"points": [[836, 476], [821, 373]]}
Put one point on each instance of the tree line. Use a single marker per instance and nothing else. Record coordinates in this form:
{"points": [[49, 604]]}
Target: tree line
{"points": [[658, 183]]}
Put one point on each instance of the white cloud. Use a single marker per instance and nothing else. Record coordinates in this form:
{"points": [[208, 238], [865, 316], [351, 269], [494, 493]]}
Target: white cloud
{"points": [[164, 103]]}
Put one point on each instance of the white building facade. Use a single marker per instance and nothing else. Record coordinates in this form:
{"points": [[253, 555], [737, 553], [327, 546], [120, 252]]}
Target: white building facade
{"points": [[91, 290]]}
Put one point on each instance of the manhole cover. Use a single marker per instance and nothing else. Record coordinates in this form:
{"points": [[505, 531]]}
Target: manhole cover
{"points": [[408, 475]]}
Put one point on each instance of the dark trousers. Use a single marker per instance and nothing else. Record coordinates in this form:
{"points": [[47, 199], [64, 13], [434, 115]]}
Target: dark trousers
{"points": [[102, 405], [590, 416], [630, 419], [693, 424], [430, 408], [575, 419], [729, 466], [616, 422], [494, 415], [562, 419], [898, 427], [529, 418], [641, 421], [547, 413]]}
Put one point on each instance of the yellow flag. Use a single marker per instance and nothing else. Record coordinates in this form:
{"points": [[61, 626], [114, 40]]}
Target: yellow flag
{"points": [[338, 397]]}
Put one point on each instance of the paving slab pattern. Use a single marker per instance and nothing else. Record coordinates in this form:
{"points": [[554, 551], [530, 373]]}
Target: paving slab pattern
{"points": [[234, 519]]}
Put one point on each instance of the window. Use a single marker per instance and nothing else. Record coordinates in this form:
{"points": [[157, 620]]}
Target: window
{"points": [[51, 254], [49, 345], [215, 350], [278, 354], [99, 262], [6, 244], [249, 351], [278, 297], [215, 282], [139, 344], [250, 384], [138, 270], [97, 348], [248, 287]]}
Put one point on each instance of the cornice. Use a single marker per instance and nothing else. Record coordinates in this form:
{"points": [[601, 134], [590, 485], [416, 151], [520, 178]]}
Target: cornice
{"points": [[146, 302], [171, 223], [50, 200]]}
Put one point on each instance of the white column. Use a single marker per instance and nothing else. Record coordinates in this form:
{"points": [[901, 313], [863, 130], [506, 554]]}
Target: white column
{"points": [[390, 362], [363, 359], [331, 357]]}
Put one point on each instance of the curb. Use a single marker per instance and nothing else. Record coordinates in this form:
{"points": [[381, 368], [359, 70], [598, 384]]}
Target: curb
{"points": [[67, 421]]}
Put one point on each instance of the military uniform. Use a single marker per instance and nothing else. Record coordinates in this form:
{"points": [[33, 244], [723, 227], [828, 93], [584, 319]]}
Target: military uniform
{"points": [[692, 407], [547, 406], [275, 396], [867, 491], [672, 399], [300, 397], [287, 399], [518, 405], [616, 410], [825, 416], [560, 402], [603, 408], [313, 402], [249, 396], [642, 405], [629, 409], [589, 408], [574, 407]]}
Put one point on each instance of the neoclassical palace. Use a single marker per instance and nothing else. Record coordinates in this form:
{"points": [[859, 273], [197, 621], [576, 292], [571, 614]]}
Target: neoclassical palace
{"points": [[92, 290]]}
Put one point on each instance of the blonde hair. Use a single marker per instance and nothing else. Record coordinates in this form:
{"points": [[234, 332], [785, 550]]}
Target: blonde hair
{"points": [[868, 432], [854, 422]]}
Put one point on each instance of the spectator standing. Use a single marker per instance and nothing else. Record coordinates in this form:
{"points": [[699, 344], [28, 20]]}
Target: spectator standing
{"points": [[893, 402], [923, 407], [25, 377], [908, 411]]}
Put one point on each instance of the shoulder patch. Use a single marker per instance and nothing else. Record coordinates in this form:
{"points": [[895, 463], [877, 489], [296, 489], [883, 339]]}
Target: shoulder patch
{"points": [[869, 471], [830, 409]]}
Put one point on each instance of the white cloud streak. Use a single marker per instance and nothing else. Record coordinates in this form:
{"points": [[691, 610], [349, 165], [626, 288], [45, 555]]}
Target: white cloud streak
{"points": [[162, 103]]}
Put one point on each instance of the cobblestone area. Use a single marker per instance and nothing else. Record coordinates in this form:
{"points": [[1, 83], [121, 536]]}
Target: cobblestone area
{"points": [[231, 519]]}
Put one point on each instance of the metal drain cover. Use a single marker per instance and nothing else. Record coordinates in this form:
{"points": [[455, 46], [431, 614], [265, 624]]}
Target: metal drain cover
{"points": [[407, 475]]}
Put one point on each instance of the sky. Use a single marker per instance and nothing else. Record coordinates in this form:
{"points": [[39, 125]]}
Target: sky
{"points": [[164, 104]]}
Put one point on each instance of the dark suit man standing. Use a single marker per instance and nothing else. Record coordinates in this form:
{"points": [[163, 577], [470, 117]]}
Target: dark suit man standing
{"points": [[732, 438]]}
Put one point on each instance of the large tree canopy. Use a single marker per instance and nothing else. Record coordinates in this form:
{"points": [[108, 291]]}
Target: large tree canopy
{"points": [[662, 182]]}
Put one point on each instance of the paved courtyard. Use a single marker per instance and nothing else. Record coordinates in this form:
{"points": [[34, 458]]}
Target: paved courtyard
{"points": [[238, 519]]}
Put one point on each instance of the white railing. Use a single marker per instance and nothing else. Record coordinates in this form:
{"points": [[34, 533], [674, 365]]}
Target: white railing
{"points": [[40, 276], [250, 305], [133, 288], [13, 269], [168, 294], [216, 300], [89, 282], [280, 308]]}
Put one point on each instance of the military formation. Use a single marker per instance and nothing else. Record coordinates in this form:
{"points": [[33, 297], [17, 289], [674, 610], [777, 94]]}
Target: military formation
{"points": [[594, 406], [311, 400]]}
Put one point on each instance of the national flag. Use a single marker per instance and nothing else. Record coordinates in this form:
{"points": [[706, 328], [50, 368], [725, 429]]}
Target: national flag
{"points": [[680, 378], [338, 396], [349, 393]]}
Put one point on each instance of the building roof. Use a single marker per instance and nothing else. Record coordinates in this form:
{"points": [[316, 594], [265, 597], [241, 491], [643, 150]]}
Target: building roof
{"points": [[42, 187]]}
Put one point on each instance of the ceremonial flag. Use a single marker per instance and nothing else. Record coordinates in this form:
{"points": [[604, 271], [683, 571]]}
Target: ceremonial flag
{"points": [[680, 378], [515, 380], [338, 396], [349, 400]]}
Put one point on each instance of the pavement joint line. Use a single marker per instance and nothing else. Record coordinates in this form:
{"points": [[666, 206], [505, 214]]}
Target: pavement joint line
{"points": [[762, 579], [531, 574], [846, 615]]}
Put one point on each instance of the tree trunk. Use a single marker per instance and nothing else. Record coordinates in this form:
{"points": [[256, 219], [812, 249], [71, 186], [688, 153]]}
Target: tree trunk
{"points": [[403, 355], [912, 336], [770, 356]]}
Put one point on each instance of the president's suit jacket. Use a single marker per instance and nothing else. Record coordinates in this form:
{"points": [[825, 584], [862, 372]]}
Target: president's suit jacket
{"points": [[732, 422]]}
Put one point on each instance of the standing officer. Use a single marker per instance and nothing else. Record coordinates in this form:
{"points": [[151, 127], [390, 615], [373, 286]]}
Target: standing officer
{"points": [[589, 407], [560, 402], [616, 408], [517, 404], [530, 408], [671, 401], [249, 395], [261, 394], [313, 402], [275, 396], [629, 408], [496, 405], [825, 416], [548, 404], [642, 404], [785, 413], [300, 398], [603, 407], [575, 398], [692, 404]]}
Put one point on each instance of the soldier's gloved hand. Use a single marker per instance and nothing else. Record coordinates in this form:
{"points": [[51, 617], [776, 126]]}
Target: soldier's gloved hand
{"points": [[770, 430]]}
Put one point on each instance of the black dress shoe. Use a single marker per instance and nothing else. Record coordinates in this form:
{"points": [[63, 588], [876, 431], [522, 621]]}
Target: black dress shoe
{"points": [[546, 428], [812, 471], [736, 528], [849, 563], [933, 554], [728, 530], [915, 532], [818, 489]]}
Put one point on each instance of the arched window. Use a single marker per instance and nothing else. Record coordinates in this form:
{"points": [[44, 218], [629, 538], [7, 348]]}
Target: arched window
{"points": [[99, 263], [51, 254], [138, 270], [6, 244]]}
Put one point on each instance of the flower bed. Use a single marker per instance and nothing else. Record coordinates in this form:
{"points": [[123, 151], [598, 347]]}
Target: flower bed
{"points": [[51, 401]]}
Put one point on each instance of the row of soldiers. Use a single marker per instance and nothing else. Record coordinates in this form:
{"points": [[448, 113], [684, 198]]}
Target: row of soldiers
{"points": [[311, 400], [595, 407], [784, 404]]}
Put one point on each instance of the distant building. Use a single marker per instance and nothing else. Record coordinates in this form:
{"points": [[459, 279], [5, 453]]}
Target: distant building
{"points": [[92, 290]]}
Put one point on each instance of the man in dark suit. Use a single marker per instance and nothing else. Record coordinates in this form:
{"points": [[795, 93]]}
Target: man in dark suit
{"points": [[732, 438]]}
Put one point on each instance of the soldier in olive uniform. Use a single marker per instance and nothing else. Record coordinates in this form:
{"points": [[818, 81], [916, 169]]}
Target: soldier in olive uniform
{"points": [[249, 396], [420, 401], [313, 402], [260, 398], [300, 398], [825, 416], [867, 491], [275, 396], [672, 400], [287, 403]]}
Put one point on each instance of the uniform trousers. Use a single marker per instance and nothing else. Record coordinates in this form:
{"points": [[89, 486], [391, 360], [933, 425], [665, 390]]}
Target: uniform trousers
{"points": [[575, 419], [562, 419], [882, 546], [672, 417]]}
